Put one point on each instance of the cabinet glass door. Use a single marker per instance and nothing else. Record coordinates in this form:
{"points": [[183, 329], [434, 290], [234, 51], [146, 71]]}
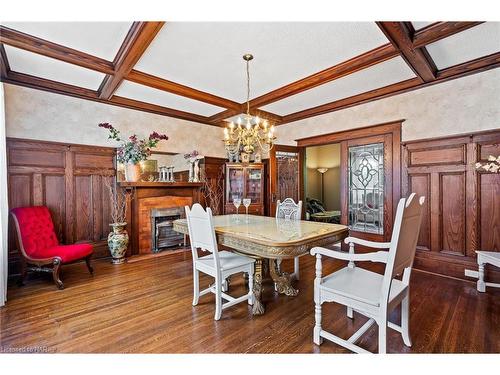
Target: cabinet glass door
{"points": [[235, 180], [366, 188], [254, 185]]}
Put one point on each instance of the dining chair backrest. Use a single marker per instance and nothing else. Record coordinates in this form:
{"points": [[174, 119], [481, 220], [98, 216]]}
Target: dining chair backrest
{"points": [[201, 231], [403, 242], [288, 209]]}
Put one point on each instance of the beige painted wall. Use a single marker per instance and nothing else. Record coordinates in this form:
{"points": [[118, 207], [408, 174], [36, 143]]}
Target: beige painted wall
{"points": [[460, 106], [36, 114], [327, 156]]}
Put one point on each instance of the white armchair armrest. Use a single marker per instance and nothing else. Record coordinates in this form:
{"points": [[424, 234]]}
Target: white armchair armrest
{"points": [[372, 244], [379, 256]]}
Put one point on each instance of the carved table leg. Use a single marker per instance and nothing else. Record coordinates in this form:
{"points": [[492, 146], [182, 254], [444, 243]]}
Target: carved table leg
{"points": [[258, 307], [282, 280]]}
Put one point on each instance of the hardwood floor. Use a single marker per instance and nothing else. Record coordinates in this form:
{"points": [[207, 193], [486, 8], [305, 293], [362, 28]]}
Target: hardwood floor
{"points": [[145, 307]]}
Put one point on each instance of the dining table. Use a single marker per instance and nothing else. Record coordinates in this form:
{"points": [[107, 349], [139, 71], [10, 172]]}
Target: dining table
{"points": [[270, 240]]}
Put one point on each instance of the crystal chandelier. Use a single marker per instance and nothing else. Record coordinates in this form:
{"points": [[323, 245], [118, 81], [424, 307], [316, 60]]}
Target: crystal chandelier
{"points": [[250, 131]]}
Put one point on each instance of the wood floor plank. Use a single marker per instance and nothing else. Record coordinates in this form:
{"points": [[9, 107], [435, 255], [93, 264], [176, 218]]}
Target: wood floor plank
{"points": [[145, 307]]}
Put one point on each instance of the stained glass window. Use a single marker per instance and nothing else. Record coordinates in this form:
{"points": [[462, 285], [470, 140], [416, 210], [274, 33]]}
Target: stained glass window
{"points": [[366, 188]]}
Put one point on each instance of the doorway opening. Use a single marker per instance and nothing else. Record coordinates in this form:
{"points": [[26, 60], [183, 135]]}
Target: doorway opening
{"points": [[322, 183]]}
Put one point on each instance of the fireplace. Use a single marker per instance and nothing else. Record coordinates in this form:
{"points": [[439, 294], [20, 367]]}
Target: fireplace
{"points": [[163, 235]]}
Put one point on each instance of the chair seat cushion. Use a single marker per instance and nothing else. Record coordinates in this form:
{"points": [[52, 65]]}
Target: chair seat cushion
{"points": [[67, 253], [227, 259], [360, 284]]}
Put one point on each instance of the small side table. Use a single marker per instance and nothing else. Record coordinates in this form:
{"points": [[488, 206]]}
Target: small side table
{"points": [[486, 257]]}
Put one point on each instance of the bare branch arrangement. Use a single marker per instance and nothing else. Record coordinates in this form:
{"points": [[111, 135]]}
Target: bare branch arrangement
{"points": [[118, 201], [213, 191]]}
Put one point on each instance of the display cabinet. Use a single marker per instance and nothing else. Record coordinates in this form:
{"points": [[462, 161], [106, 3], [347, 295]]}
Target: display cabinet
{"points": [[244, 181]]}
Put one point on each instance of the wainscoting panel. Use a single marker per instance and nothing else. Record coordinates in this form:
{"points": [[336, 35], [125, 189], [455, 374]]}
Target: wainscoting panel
{"points": [[68, 179], [462, 212]]}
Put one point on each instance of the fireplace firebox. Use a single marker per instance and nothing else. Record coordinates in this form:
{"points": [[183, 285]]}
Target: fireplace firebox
{"points": [[163, 236]]}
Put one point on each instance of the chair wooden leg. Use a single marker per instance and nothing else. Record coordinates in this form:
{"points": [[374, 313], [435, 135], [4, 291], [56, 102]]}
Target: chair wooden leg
{"points": [[350, 313], [481, 286], [24, 272], [405, 320], [382, 336], [317, 339], [196, 286], [218, 299], [55, 274], [89, 266]]}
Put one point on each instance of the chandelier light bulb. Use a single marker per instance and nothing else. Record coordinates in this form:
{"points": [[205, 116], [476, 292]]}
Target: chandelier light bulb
{"points": [[231, 125], [257, 120], [239, 121]]}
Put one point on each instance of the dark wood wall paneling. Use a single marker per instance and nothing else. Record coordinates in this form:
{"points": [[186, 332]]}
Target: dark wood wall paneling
{"points": [[462, 209], [69, 179]]}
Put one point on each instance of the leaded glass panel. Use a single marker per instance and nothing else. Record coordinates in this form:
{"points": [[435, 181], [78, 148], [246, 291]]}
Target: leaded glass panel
{"points": [[366, 188]]}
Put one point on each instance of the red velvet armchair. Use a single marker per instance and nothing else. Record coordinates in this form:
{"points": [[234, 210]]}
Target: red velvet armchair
{"points": [[38, 244]]}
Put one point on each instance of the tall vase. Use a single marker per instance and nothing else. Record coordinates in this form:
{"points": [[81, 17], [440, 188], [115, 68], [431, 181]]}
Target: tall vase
{"points": [[118, 242], [132, 172], [191, 171], [196, 171]]}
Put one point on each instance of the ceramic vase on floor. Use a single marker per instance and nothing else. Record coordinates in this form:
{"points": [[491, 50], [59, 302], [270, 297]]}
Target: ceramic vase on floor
{"points": [[118, 242], [132, 172]]}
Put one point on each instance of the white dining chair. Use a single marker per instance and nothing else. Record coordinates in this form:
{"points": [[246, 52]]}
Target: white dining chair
{"points": [[369, 293], [290, 210], [218, 264]]}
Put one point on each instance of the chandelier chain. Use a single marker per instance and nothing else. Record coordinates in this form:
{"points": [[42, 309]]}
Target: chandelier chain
{"points": [[248, 87]]}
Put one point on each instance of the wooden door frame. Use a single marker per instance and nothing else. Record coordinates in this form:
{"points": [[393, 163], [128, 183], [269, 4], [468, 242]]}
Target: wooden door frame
{"points": [[391, 129]]}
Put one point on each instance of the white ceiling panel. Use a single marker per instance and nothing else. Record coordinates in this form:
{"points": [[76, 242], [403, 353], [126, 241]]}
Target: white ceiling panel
{"points": [[101, 39], [380, 75], [165, 99], [45, 67], [208, 56], [478, 41], [417, 25]]}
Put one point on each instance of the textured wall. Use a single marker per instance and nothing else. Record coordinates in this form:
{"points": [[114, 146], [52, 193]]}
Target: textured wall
{"points": [[460, 106], [36, 114]]}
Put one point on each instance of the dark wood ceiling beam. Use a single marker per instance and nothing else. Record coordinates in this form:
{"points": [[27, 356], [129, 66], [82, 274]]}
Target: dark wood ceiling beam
{"points": [[223, 115], [438, 31], [461, 70], [400, 34], [30, 81], [4, 63], [470, 67], [219, 118], [43, 47], [178, 89], [140, 35], [350, 66], [153, 108], [26, 80], [380, 93]]}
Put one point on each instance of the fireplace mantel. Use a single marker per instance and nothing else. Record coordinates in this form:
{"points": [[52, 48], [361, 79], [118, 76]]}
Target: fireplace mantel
{"points": [[146, 196], [160, 184]]}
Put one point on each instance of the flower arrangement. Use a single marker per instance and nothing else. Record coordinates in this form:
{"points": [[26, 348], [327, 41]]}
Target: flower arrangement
{"points": [[192, 156], [492, 166], [133, 150]]}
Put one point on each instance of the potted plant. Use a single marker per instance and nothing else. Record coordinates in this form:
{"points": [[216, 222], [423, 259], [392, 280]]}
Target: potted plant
{"points": [[133, 150], [118, 237]]}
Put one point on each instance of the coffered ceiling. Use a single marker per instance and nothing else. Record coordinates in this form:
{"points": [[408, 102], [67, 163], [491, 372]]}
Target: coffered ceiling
{"points": [[195, 71]]}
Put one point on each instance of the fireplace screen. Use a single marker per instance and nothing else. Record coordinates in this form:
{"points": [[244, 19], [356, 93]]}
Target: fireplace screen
{"points": [[163, 235], [366, 188]]}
